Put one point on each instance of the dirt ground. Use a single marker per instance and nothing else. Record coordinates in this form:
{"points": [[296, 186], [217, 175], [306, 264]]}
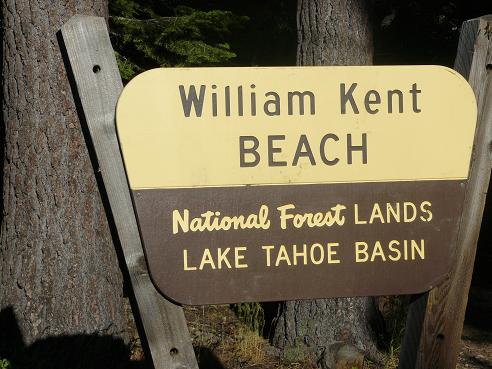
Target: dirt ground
{"points": [[221, 341], [476, 349], [476, 342]]}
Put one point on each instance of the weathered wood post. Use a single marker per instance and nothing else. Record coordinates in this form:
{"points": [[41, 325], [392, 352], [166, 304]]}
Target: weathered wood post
{"points": [[98, 83], [440, 313]]}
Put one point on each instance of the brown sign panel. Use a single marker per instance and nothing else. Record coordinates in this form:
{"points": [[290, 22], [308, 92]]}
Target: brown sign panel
{"points": [[296, 242], [263, 184]]}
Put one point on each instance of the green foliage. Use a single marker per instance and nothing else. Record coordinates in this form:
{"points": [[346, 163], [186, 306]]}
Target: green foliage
{"points": [[5, 364], [151, 34], [124, 8], [127, 68], [394, 310], [251, 314]]}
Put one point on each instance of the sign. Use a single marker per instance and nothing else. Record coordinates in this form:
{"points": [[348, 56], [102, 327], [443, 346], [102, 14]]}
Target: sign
{"points": [[263, 184]]}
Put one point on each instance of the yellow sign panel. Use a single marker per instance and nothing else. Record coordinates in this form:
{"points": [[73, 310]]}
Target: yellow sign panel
{"points": [[212, 127]]}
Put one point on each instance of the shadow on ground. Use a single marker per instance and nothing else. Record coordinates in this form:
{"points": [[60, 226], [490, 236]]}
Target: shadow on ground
{"points": [[82, 351], [207, 359]]}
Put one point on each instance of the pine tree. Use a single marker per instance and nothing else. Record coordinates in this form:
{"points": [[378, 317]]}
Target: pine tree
{"points": [[148, 34]]}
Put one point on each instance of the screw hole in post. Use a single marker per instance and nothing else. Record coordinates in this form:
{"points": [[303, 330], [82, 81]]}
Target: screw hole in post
{"points": [[96, 68], [174, 351], [488, 67], [440, 337]]}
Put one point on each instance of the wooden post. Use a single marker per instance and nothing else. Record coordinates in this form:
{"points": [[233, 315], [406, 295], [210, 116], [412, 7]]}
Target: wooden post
{"points": [[439, 315], [98, 83]]}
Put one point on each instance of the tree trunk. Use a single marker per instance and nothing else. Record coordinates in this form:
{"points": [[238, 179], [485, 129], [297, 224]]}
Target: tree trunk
{"points": [[334, 32], [58, 267], [330, 32]]}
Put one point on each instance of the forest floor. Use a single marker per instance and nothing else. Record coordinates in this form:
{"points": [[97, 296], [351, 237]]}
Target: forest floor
{"points": [[221, 341], [476, 349], [476, 340]]}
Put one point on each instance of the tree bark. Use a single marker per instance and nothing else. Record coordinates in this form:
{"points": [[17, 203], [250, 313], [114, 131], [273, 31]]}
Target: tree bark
{"points": [[58, 267], [334, 32], [330, 32]]}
